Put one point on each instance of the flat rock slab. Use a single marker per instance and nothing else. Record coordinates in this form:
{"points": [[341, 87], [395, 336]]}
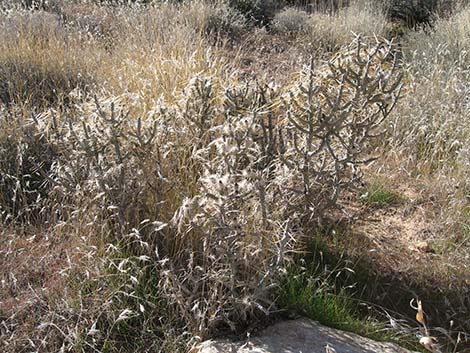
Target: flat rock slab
{"points": [[301, 336]]}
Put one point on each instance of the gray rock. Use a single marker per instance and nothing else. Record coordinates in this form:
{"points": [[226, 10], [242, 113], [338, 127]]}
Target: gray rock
{"points": [[301, 336]]}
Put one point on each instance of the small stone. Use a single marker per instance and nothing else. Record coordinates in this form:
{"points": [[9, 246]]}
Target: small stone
{"points": [[425, 247]]}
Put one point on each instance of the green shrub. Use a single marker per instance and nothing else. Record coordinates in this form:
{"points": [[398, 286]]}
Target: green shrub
{"points": [[412, 13], [309, 291], [342, 291]]}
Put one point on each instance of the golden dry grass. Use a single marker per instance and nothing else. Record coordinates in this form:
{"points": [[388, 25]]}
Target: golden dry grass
{"points": [[162, 183]]}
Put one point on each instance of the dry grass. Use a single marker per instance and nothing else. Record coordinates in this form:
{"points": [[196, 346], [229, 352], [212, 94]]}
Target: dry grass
{"points": [[171, 171], [333, 30], [437, 67], [145, 58], [167, 190], [40, 64], [327, 31], [432, 128]]}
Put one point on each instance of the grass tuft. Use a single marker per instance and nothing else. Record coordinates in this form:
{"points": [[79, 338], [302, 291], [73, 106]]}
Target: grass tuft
{"points": [[322, 287], [380, 194]]}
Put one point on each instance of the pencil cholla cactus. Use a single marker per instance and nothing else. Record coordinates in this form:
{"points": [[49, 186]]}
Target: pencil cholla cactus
{"points": [[231, 177], [269, 163], [234, 245], [332, 117]]}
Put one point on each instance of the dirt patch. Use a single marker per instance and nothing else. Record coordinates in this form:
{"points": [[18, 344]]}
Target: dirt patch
{"points": [[398, 251], [270, 57]]}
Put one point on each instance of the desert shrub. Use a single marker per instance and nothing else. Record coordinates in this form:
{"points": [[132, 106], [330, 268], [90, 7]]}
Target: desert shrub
{"points": [[195, 187], [259, 11], [412, 13], [34, 84], [215, 18], [164, 46], [88, 19], [225, 20], [27, 4], [434, 134], [263, 175], [421, 13], [445, 45], [39, 24], [263, 11], [333, 30], [106, 146], [291, 20], [431, 129], [325, 6]]}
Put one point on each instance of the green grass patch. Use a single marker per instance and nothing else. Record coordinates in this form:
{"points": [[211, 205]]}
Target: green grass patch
{"points": [[327, 289], [378, 193], [300, 294]]}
